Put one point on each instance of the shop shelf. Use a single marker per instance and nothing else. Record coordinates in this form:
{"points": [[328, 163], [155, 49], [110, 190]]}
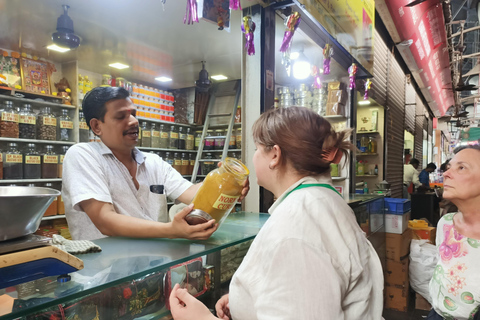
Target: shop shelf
{"points": [[368, 176], [368, 132], [58, 216], [30, 180], [32, 101], [217, 126], [163, 149], [37, 141], [229, 150], [367, 154], [338, 178], [164, 122], [213, 160]]}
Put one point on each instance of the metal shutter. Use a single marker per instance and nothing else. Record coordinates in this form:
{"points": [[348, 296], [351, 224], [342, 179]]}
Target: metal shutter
{"points": [[395, 127], [410, 108], [378, 92], [419, 120]]}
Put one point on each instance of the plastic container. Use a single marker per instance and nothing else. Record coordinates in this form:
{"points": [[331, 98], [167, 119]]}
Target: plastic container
{"points": [[395, 205], [219, 192]]}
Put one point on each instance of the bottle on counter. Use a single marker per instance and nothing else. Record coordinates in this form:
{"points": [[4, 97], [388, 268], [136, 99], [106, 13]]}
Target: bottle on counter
{"points": [[46, 125], [9, 121], [83, 131], [164, 137], [27, 123], [189, 144], [49, 163], [155, 136], [146, 135], [65, 126], [32, 166], [173, 144], [60, 161], [13, 165]]}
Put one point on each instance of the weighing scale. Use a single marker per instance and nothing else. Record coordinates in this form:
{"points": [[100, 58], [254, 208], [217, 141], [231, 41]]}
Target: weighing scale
{"points": [[32, 257]]}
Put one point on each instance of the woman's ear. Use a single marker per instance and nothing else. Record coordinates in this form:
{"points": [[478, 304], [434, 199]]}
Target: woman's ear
{"points": [[276, 155], [95, 126]]}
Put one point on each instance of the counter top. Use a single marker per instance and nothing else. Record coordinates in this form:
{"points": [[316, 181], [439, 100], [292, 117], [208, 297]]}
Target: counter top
{"points": [[356, 198], [126, 259]]}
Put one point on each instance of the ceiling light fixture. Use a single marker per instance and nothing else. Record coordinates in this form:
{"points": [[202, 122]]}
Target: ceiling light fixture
{"points": [[219, 77], [301, 67], [163, 79], [54, 47], [364, 102], [118, 65]]}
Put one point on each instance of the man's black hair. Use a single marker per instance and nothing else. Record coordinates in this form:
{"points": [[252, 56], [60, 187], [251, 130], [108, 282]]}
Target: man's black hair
{"points": [[94, 102], [432, 166], [414, 161]]}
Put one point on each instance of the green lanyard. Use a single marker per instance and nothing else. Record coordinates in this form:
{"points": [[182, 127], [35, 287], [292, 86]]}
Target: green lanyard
{"points": [[324, 185]]}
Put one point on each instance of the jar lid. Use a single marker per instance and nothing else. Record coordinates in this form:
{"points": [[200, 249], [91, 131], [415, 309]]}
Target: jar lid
{"points": [[197, 216]]}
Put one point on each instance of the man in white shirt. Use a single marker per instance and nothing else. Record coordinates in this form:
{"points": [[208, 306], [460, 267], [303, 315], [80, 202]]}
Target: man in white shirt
{"points": [[113, 189], [410, 175]]}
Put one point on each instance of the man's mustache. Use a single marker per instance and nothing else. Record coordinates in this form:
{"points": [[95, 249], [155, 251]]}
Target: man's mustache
{"points": [[131, 130]]}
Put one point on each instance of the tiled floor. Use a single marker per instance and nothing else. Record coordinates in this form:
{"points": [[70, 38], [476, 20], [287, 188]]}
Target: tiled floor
{"points": [[414, 315]]}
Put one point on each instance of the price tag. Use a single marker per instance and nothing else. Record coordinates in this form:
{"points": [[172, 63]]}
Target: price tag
{"points": [[50, 159]]}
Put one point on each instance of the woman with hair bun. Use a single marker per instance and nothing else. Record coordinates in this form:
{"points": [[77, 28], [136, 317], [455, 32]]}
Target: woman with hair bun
{"points": [[310, 260]]}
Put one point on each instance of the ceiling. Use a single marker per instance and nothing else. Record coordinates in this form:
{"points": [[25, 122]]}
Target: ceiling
{"points": [[148, 36]]}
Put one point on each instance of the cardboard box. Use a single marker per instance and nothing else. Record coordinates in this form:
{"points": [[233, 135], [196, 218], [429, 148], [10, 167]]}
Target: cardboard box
{"points": [[421, 303], [428, 233], [396, 273], [397, 298], [398, 245], [396, 223]]}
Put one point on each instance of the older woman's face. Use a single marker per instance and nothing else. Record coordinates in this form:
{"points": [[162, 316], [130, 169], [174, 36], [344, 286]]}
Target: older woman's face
{"points": [[462, 179]]}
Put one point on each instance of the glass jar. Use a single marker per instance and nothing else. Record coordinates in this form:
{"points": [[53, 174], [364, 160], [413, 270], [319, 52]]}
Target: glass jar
{"points": [[185, 164], [27, 121], [191, 166], [60, 161], [155, 136], [238, 138], [177, 162], [372, 145], [83, 131], [53, 208], [173, 138], [219, 140], [49, 163], [209, 141], [164, 137], [146, 135], [106, 80], [208, 166], [13, 165], [182, 139], [65, 126], [32, 167], [232, 144], [46, 125], [9, 121], [219, 192], [190, 140], [167, 158], [198, 138]]}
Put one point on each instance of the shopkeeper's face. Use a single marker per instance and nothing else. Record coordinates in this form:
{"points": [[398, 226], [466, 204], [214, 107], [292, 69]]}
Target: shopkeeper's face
{"points": [[462, 179], [119, 130]]}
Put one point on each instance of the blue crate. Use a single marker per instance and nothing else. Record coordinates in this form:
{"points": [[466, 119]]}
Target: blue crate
{"points": [[397, 206]]}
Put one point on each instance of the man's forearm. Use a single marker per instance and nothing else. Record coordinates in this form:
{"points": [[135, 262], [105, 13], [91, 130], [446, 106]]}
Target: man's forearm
{"points": [[187, 196], [118, 225]]}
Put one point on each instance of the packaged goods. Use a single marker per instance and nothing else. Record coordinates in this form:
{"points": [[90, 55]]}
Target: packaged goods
{"points": [[398, 245]]}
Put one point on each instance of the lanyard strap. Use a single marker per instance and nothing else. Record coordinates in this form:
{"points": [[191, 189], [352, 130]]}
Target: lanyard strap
{"points": [[308, 185]]}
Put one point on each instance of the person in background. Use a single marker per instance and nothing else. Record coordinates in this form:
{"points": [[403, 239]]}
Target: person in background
{"points": [[111, 188], [444, 165], [410, 176], [455, 285], [310, 260], [424, 176]]}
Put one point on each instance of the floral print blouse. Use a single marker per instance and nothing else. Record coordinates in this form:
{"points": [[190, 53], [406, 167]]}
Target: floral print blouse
{"points": [[455, 285]]}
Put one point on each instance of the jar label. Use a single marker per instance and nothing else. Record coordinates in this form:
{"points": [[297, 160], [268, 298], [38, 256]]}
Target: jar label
{"points": [[12, 117], [232, 141], [225, 202], [83, 125], [192, 162], [61, 158], [197, 142], [66, 124], [209, 142], [185, 162], [208, 162], [190, 137], [14, 158], [174, 135], [32, 159], [239, 137], [164, 135], [178, 162], [49, 121], [183, 136], [146, 134], [156, 134], [27, 119], [50, 159]]}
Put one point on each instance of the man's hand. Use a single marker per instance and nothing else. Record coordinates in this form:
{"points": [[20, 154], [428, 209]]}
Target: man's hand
{"points": [[185, 307], [181, 229], [222, 308], [246, 186]]}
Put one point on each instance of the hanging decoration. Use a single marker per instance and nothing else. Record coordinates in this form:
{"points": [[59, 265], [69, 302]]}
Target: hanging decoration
{"points": [[191, 14], [327, 55], [248, 27], [317, 83], [235, 5], [368, 86], [291, 25], [352, 71]]}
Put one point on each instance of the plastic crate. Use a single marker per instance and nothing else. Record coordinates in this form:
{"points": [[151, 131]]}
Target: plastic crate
{"points": [[397, 206]]}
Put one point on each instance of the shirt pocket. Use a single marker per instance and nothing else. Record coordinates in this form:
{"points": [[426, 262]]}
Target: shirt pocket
{"points": [[154, 204]]}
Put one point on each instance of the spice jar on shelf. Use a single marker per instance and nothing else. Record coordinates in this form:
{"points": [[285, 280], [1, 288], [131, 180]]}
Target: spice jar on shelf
{"points": [[164, 137], [219, 192], [219, 139], [65, 126], [189, 144], [198, 138], [168, 158], [46, 125], [208, 166], [53, 208], [185, 164], [13, 165], [232, 144], [60, 161], [83, 131], [27, 123], [49, 163], [173, 138], [155, 136], [209, 141], [9, 121], [32, 166], [182, 138], [177, 162], [191, 160], [238, 137], [146, 135]]}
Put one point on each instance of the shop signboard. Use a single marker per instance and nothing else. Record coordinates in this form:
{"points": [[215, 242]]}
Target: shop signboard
{"points": [[350, 22]]}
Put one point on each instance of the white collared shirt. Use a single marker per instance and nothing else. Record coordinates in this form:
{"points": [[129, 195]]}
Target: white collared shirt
{"points": [[310, 260], [410, 175], [91, 171]]}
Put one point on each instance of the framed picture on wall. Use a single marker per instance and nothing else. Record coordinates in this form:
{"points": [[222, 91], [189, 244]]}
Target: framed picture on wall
{"points": [[10, 70], [35, 76]]}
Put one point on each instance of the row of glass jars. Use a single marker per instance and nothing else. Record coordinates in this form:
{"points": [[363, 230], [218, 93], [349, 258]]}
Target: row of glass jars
{"points": [[25, 124], [30, 163]]}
